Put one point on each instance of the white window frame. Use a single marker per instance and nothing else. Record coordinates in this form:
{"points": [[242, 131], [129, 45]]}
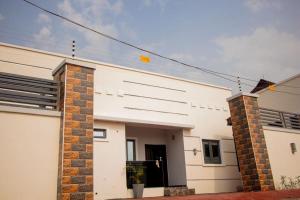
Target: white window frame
{"points": [[136, 147]]}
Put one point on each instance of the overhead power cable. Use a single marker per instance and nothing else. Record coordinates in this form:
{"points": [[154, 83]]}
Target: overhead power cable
{"points": [[215, 73], [212, 72]]}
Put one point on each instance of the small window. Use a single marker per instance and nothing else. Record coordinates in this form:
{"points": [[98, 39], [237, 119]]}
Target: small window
{"points": [[130, 150], [211, 151], [100, 133]]}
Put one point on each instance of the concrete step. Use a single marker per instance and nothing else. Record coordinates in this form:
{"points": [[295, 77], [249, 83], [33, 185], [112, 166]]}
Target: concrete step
{"points": [[178, 191]]}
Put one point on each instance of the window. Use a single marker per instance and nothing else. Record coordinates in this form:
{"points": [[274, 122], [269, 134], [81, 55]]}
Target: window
{"points": [[211, 151], [99, 133], [130, 150]]}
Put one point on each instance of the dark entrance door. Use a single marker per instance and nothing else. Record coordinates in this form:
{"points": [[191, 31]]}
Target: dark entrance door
{"points": [[157, 174]]}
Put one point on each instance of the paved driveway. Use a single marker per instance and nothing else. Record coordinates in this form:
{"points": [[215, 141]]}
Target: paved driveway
{"points": [[271, 195]]}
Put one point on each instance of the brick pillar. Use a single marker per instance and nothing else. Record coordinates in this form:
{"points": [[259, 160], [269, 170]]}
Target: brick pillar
{"points": [[250, 143], [75, 175]]}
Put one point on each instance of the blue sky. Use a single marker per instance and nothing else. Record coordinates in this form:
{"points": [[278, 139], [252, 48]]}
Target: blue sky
{"points": [[252, 38]]}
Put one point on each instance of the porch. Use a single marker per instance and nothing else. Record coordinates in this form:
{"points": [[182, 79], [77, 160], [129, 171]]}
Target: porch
{"points": [[157, 148], [159, 153]]}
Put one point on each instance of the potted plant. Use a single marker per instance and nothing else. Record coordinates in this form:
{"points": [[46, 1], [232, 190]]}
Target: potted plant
{"points": [[137, 176]]}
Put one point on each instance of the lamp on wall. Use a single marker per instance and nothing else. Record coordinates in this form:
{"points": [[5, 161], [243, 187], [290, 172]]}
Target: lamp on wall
{"points": [[173, 137], [195, 151], [293, 148]]}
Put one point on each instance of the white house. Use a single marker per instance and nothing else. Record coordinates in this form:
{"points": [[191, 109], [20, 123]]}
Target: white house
{"points": [[176, 128]]}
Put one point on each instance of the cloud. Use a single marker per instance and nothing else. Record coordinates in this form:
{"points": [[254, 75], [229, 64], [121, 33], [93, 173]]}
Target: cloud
{"points": [[257, 5], [147, 3], [160, 3], [44, 38], [44, 33], [43, 18], [266, 51], [1, 17], [117, 7], [96, 7], [94, 14]]}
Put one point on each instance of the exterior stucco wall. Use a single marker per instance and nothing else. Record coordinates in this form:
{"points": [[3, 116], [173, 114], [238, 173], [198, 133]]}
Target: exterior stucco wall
{"points": [[45, 61], [138, 95], [29, 148], [206, 178], [282, 101], [176, 159], [283, 162], [110, 162]]}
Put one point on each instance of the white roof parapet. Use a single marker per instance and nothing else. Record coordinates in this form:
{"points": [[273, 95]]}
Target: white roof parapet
{"points": [[139, 121], [242, 94], [96, 64]]}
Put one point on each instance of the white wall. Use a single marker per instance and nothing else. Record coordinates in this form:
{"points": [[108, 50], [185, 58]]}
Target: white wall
{"points": [[283, 162], [282, 101], [30, 57], [138, 95], [29, 148], [110, 162], [211, 178], [176, 160]]}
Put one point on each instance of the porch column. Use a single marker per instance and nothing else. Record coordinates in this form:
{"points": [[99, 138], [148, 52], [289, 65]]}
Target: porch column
{"points": [[250, 143], [75, 175]]}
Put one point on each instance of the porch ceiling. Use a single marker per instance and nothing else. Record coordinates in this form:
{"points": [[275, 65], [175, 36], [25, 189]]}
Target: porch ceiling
{"points": [[140, 122]]}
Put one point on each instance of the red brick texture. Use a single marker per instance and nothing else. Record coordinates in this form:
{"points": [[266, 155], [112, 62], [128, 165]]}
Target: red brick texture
{"points": [[250, 144], [75, 176]]}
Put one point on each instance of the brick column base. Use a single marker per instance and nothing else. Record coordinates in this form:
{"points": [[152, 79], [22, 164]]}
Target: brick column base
{"points": [[75, 176], [250, 143]]}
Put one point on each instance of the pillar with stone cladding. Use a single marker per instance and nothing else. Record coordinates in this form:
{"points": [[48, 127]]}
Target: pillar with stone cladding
{"points": [[250, 143], [75, 175]]}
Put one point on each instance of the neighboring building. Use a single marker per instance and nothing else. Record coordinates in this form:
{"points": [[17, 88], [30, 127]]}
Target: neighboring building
{"points": [[281, 126], [262, 84], [268, 124], [285, 96], [112, 117]]}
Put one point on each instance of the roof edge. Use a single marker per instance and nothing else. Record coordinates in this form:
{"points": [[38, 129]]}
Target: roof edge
{"points": [[139, 121], [113, 65]]}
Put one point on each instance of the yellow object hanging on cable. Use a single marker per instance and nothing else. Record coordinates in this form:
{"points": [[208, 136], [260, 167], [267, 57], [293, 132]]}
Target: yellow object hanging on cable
{"points": [[272, 88], [144, 59]]}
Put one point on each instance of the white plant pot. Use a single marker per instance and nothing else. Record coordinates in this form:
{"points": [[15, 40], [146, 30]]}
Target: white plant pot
{"points": [[138, 190]]}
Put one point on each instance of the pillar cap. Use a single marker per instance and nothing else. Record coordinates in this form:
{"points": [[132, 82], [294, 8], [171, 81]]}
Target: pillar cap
{"points": [[242, 94], [74, 62]]}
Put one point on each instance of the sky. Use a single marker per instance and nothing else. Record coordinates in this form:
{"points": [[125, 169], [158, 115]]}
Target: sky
{"points": [[248, 38]]}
